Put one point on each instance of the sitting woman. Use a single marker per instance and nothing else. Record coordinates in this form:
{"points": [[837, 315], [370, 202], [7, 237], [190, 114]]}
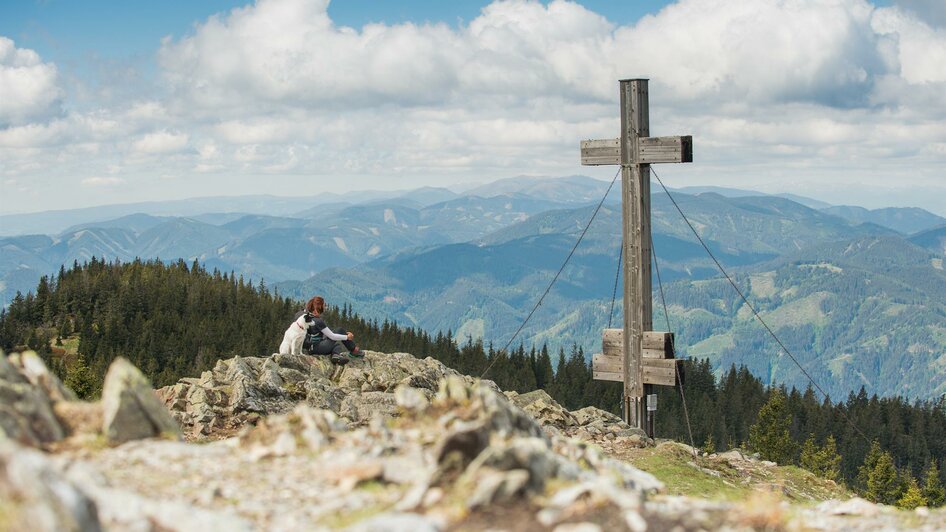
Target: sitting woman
{"points": [[325, 341]]}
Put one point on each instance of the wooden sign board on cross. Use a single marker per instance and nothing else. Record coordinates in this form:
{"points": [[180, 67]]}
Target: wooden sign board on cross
{"points": [[658, 364], [635, 150]]}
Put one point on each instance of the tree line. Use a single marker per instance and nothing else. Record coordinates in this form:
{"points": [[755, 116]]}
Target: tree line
{"points": [[177, 319]]}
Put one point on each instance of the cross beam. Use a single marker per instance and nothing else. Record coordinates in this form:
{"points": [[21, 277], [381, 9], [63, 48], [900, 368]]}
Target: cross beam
{"points": [[635, 151]]}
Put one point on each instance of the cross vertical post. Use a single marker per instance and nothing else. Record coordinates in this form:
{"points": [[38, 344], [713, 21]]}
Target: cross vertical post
{"points": [[635, 180], [636, 355]]}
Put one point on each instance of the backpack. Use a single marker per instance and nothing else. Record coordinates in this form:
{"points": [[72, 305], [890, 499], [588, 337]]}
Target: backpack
{"points": [[312, 336]]}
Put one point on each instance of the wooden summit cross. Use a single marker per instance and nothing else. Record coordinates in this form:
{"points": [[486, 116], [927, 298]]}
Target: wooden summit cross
{"points": [[636, 355]]}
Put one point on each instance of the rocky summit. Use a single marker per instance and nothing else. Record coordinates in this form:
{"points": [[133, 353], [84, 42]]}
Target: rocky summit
{"points": [[389, 442], [243, 390]]}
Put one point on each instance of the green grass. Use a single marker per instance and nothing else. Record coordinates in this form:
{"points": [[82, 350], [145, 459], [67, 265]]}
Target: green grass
{"points": [[716, 479], [683, 479]]}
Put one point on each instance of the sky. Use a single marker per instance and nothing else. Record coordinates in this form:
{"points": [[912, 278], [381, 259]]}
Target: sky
{"points": [[115, 102]]}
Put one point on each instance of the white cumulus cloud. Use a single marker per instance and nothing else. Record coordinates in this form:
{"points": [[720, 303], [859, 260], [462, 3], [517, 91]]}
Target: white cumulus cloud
{"points": [[29, 88], [161, 142]]}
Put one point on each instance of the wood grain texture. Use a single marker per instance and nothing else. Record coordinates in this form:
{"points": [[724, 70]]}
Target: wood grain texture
{"points": [[607, 376], [601, 152], [659, 371], [658, 341], [653, 150]]}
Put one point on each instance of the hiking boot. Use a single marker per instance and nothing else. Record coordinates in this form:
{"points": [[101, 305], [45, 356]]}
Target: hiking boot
{"points": [[357, 353], [339, 359]]}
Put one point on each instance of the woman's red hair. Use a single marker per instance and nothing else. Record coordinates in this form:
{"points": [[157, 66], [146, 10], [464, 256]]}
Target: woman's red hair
{"points": [[316, 305]]}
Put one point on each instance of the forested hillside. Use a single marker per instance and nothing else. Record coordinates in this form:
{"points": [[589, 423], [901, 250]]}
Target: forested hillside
{"points": [[869, 312], [169, 320], [177, 320]]}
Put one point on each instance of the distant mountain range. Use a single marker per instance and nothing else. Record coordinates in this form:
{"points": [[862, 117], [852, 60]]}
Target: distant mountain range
{"points": [[836, 281], [320, 233], [486, 287]]}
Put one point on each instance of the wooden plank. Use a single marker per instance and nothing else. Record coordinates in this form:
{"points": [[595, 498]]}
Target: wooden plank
{"points": [[606, 376], [612, 342], [659, 375], [651, 150], [657, 344], [665, 150], [654, 353], [657, 340], [600, 362], [600, 152], [662, 372]]}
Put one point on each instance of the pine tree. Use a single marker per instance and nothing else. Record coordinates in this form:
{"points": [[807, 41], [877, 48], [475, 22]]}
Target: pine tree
{"points": [[65, 329], [769, 436], [870, 462], [912, 497], [709, 447], [809, 455], [81, 379], [543, 369], [883, 483], [933, 487], [822, 461], [829, 460]]}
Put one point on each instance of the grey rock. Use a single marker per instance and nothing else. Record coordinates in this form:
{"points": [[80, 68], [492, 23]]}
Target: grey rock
{"points": [[543, 408], [396, 522], [855, 506], [9, 373], [453, 389], [466, 439], [130, 408], [32, 367], [733, 455], [35, 496], [301, 363], [497, 487], [529, 454], [362, 407], [503, 417], [270, 382], [26, 411], [589, 414], [174, 397], [410, 398], [630, 432]]}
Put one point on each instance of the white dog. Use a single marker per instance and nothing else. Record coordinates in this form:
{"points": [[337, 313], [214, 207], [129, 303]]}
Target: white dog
{"points": [[294, 336]]}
